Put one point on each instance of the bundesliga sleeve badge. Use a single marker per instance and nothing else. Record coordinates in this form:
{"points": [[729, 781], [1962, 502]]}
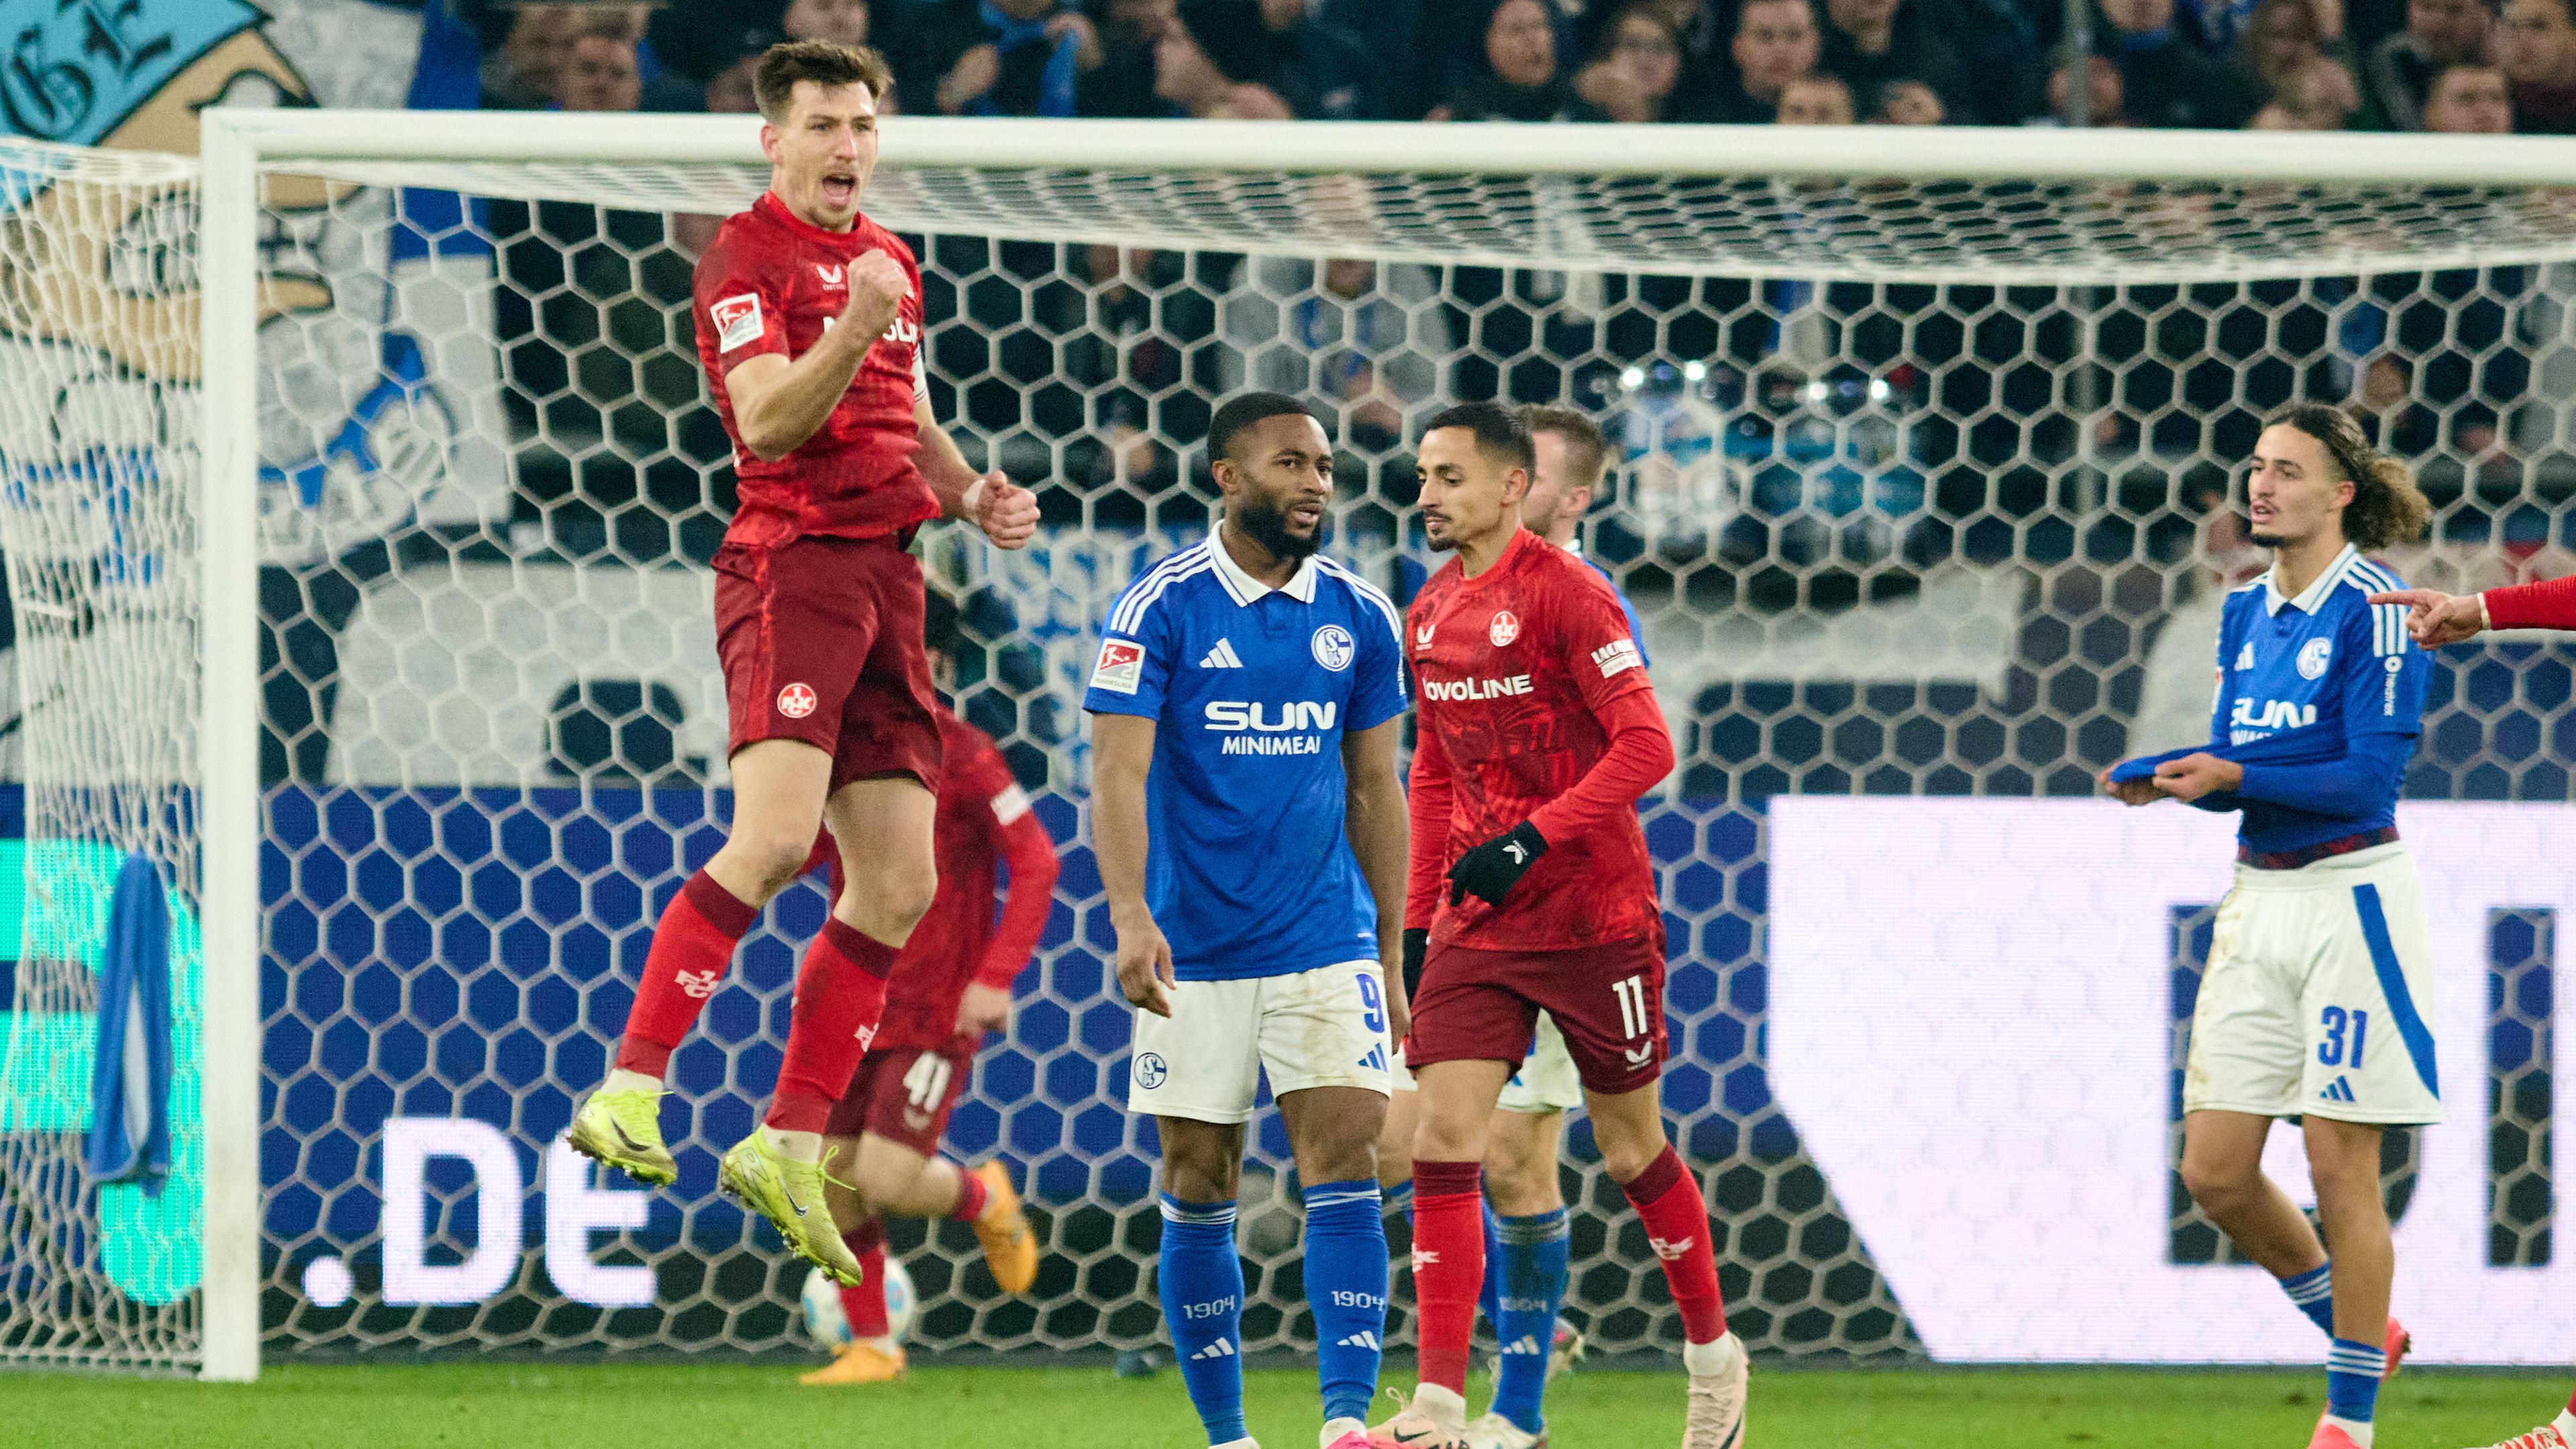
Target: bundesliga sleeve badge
{"points": [[1121, 666], [737, 320]]}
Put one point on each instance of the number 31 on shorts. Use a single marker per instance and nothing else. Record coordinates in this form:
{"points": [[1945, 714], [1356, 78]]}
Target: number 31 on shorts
{"points": [[2341, 1026], [1631, 992]]}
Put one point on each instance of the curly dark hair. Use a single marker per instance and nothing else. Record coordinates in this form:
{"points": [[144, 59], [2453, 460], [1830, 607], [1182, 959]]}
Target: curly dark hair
{"points": [[2386, 505]]}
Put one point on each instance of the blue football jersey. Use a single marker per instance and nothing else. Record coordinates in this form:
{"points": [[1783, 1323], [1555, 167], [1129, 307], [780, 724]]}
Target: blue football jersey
{"points": [[1251, 689], [2302, 679]]}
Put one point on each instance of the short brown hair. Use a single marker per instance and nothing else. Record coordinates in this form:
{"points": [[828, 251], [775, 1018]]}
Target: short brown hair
{"points": [[773, 86], [1583, 441], [2386, 505]]}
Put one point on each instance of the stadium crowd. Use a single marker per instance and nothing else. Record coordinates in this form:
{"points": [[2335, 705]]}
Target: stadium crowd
{"points": [[2458, 66]]}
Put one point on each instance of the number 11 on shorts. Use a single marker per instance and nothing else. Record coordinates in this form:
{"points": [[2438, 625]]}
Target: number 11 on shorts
{"points": [[1631, 992]]}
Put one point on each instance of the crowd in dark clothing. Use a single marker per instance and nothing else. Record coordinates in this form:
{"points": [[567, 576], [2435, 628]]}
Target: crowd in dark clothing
{"points": [[2388, 65]]}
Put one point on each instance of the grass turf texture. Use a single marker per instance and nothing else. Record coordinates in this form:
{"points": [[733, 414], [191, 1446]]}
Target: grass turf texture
{"points": [[647, 1405]]}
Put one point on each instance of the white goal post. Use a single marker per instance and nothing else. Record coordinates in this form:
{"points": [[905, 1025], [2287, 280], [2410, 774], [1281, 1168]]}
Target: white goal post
{"points": [[1935, 204]]}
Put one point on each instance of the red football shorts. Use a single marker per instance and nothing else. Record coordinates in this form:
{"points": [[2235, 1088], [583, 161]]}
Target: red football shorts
{"points": [[820, 638], [904, 1094], [1608, 1000]]}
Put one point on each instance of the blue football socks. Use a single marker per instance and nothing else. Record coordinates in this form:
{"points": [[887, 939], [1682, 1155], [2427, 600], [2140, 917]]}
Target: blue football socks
{"points": [[1346, 1288], [1202, 1287], [2314, 1293], [1532, 1273]]}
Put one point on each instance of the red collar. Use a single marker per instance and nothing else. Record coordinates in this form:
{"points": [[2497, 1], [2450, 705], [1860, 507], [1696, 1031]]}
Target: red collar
{"points": [[781, 214]]}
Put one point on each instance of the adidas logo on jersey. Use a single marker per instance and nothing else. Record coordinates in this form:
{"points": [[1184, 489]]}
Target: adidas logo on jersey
{"points": [[1219, 1349], [2338, 1090], [2245, 656], [1362, 1339], [1222, 657], [1375, 1061], [1523, 1345]]}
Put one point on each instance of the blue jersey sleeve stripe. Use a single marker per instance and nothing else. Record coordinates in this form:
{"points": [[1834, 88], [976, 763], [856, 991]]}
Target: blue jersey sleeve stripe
{"points": [[1130, 616], [1131, 606], [1369, 593]]}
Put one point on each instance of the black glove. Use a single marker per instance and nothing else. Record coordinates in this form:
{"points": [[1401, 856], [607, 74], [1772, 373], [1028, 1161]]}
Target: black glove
{"points": [[1417, 943], [1489, 871]]}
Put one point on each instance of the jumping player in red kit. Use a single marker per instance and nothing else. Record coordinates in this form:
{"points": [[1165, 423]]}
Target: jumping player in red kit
{"points": [[809, 327], [951, 984], [1531, 890]]}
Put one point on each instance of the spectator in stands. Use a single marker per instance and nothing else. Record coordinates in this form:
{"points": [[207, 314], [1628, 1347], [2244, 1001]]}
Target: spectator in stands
{"points": [[996, 57], [842, 22], [2166, 79], [2105, 96], [1316, 68], [728, 90], [1519, 81], [601, 74], [1870, 43], [1817, 100], [2321, 96], [2537, 48], [2469, 98], [1123, 84], [1907, 102], [1206, 61], [1776, 42], [522, 75], [2278, 45], [1631, 78], [2397, 75]]}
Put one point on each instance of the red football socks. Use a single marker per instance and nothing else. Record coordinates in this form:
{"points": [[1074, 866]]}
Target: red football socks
{"points": [[865, 1305], [1676, 1219], [840, 994], [692, 949], [972, 1194], [1448, 1266]]}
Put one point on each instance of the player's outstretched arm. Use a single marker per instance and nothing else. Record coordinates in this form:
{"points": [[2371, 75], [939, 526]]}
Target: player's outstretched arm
{"points": [[1006, 512], [1375, 823], [778, 404], [1122, 750], [2435, 618], [1028, 855]]}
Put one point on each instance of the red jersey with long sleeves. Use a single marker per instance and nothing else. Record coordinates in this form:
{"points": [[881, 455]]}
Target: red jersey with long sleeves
{"points": [[1523, 675], [773, 283], [983, 824], [2547, 605]]}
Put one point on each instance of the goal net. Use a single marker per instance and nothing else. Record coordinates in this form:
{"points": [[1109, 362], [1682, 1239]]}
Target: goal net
{"points": [[1921, 448]]}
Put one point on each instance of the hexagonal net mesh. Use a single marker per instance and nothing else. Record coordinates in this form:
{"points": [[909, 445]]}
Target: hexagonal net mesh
{"points": [[1918, 493]]}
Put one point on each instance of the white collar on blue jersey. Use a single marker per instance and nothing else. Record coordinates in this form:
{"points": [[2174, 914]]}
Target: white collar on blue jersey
{"points": [[1248, 590], [2315, 594]]}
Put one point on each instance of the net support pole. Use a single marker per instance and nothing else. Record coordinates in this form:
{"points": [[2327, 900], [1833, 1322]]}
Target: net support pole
{"points": [[228, 744]]}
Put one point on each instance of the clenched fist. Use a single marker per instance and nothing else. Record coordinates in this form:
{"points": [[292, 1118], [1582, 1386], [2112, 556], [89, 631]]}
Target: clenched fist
{"points": [[877, 289]]}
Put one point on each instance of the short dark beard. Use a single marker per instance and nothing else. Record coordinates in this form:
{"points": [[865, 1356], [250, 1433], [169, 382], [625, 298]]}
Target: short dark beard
{"points": [[1446, 543], [1267, 525], [2266, 540]]}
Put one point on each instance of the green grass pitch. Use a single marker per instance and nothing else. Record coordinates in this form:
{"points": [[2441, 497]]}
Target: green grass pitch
{"points": [[671, 1405]]}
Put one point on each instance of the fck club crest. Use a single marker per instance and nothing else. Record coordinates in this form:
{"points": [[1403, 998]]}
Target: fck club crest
{"points": [[797, 700], [1504, 629]]}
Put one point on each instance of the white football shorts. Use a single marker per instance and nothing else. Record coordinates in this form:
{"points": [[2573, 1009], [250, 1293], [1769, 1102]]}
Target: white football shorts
{"points": [[1546, 1082], [1320, 1028], [2319, 996]]}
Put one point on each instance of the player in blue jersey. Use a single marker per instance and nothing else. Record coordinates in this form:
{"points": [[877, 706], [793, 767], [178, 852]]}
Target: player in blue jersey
{"points": [[2318, 999], [1527, 1242], [1251, 837]]}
